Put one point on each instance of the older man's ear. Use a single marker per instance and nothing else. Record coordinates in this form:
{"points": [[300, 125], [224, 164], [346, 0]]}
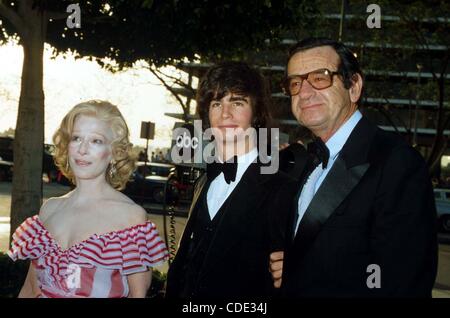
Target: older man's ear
{"points": [[356, 89]]}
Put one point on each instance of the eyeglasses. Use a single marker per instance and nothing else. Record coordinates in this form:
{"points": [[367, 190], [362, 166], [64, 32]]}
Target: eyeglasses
{"points": [[318, 79]]}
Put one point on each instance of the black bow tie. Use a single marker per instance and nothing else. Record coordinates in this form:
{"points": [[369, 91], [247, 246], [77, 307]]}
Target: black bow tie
{"points": [[319, 151], [229, 169]]}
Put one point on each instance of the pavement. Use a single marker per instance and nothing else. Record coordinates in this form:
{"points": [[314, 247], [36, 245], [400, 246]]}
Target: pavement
{"points": [[175, 226]]}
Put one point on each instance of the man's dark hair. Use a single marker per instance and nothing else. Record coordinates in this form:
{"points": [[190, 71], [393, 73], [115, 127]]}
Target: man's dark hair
{"points": [[348, 65], [235, 78]]}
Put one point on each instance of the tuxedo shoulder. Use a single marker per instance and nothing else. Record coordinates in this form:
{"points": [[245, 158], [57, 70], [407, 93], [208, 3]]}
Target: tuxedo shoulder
{"points": [[200, 180], [389, 139], [283, 177], [281, 180], [277, 172]]}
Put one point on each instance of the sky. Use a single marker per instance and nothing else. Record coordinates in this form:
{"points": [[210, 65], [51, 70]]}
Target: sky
{"points": [[68, 81]]}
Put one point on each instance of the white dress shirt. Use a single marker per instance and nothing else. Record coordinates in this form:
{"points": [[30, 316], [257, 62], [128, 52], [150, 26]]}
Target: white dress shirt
{"points": [[219, 190]]}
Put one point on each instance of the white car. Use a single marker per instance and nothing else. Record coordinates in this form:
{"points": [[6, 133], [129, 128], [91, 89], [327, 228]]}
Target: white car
{"points": [[442, 197]]}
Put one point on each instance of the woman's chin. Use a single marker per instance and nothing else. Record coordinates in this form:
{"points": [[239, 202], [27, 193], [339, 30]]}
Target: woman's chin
{"points": [[82, 176]]}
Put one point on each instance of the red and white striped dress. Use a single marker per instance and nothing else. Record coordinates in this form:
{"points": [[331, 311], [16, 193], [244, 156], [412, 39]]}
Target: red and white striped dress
{"points": [[96, 267]]}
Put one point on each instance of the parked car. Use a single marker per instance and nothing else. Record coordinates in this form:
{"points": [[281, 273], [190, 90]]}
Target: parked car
{"points": [[149, 181], [6, 148], [7, 158], [6, 170], [184, 178], [442, 197]]}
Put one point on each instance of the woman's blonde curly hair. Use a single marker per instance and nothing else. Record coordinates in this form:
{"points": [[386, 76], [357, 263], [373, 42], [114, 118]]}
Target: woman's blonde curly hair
{"points": [[123, 157]]}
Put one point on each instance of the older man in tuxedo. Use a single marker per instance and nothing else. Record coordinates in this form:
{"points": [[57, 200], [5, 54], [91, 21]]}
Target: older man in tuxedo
{"points": [[364, 214]]}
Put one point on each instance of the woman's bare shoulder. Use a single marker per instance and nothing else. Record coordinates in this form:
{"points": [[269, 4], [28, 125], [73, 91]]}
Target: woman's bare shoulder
{"points": [[127, 211], [51, 206]]}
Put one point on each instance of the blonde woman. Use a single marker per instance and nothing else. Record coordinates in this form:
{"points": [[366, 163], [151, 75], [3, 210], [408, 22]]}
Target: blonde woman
{"points": [[93, 241]]}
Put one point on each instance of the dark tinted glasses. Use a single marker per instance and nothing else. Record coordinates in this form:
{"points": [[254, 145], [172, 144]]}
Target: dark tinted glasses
{"points": [[319, 79]]}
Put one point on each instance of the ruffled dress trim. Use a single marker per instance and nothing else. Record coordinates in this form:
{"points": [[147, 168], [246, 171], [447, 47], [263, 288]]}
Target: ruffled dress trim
{"points": [[130, 250]]}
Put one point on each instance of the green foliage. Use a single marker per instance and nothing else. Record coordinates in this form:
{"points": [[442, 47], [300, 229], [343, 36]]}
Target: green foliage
{"points": [[164, 32]]}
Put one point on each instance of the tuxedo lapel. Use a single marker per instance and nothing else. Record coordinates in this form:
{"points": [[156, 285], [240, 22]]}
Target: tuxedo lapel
{"points": [[202, 186], [344, 176], [203, 183], [290, 231], [240, 214], [339, 182]]}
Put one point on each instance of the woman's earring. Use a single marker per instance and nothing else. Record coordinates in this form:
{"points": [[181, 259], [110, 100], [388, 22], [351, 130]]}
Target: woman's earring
{"points": [[112, 170]]}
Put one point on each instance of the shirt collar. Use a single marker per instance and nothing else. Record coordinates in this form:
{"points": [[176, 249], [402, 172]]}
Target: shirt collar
{"points": [[339, 138], [245, 160]]}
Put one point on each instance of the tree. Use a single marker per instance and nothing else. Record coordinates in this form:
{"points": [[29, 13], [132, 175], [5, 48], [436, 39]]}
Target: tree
{"points": [[422, 30], [427, 31], [162, 32], [180, 87]]}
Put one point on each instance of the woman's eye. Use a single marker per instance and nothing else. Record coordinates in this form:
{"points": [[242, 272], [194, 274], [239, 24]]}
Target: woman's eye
{"points": [[214, 105], [238, 104], [98, 141], [75, 138]]}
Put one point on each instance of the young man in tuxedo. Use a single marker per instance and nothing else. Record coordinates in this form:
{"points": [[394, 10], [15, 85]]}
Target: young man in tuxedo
{"points": [[238, 214], [364, 221]]}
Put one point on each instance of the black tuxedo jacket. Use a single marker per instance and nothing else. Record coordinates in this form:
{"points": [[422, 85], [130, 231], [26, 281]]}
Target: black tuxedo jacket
{"points": [[375, 206], [253, 225]]}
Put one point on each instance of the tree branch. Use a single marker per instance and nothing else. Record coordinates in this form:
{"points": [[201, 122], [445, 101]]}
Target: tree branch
{"points": [[170, 89], [178, 81], [445, 62], [422, 40], [12, 17]]}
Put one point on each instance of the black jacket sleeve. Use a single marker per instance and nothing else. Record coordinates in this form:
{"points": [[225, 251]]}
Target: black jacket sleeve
{"points": [[403, 232]]}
